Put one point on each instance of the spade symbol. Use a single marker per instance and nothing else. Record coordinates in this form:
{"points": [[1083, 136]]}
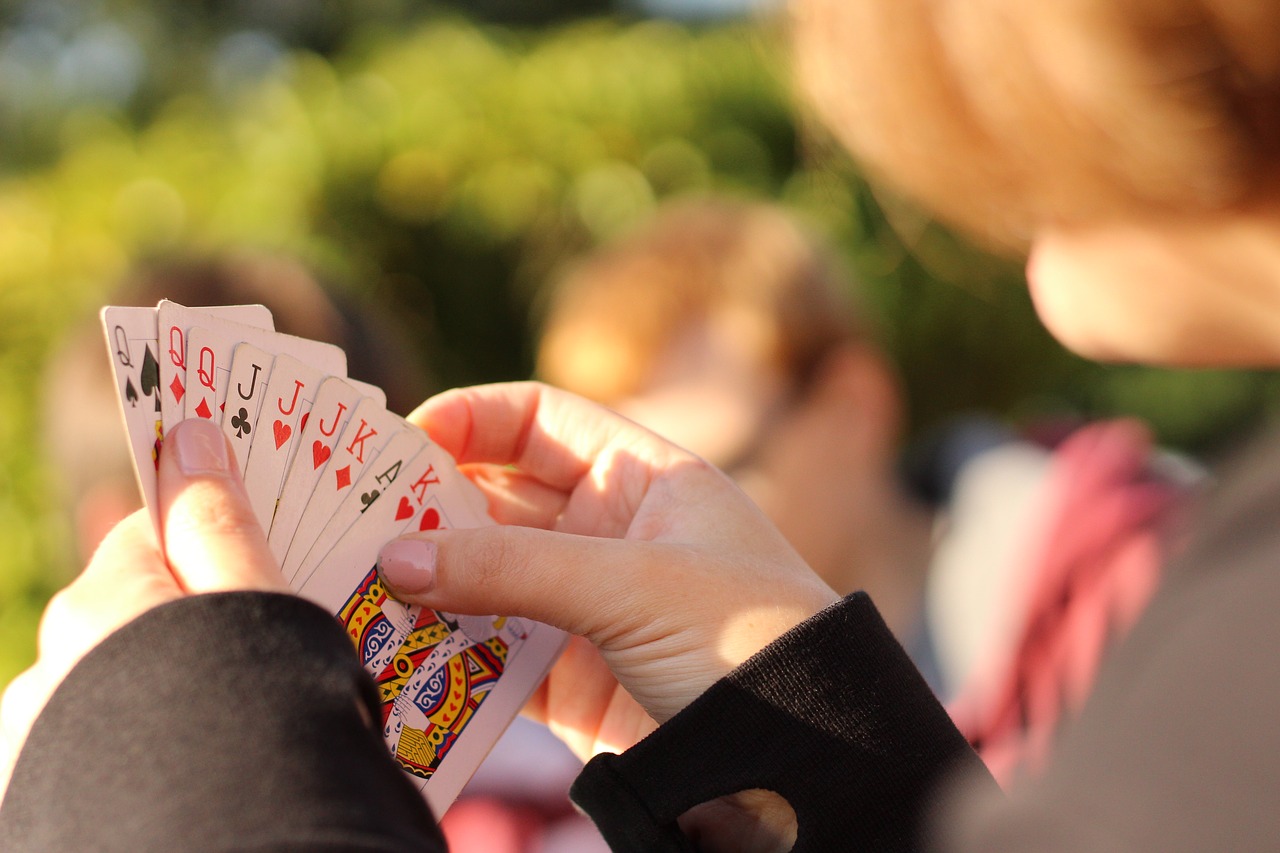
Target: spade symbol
{"points": [[130, 393], [149, 376], [240, 423], [368, 498]]}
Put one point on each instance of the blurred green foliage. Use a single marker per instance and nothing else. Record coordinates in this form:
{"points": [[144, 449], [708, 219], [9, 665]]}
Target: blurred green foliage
{"points": [[446, 170]]}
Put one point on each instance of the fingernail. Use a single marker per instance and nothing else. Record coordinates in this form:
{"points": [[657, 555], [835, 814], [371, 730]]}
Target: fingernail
{"points": [[408, 565], [199, 447]]}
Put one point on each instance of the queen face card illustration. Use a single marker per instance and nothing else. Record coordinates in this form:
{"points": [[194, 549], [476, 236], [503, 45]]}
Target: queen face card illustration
{"points": [[449, 684]]}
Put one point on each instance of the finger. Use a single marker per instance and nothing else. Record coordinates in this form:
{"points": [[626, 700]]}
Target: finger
{"points": [[515, 498], [212, 538], [518, 571], [690, 611], [583, 704], [549, 434]]}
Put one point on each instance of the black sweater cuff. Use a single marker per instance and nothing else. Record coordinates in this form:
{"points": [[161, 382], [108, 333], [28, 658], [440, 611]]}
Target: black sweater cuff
{"points": [[217, 722], [833, 716]]}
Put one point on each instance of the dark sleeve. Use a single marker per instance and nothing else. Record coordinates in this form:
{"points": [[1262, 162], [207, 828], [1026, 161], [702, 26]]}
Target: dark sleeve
{"points": [[236, 721], [832, 716]]}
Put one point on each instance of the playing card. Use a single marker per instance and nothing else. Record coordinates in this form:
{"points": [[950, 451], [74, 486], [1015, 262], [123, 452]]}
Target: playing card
{"points": [[287, 405], [368, 430], [335, 400], [449, 684], [208, 366], [133, 342], [378, 475], [173, 322], [246, 388], [342, 476]]}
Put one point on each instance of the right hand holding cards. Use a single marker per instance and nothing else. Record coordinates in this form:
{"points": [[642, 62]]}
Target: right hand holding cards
{"points": [[333, 476]]}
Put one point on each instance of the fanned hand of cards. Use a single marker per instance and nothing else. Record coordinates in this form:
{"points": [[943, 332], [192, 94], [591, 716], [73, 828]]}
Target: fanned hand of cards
{"points": [[333, 476]]}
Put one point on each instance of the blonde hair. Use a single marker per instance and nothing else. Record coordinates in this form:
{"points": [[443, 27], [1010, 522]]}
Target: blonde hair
{"points": [[615, 313], [1001, 114]]}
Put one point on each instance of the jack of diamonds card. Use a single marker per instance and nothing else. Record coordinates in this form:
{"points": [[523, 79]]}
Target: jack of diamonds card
{"points": [[336, 399], [378, 476], [368, 430]]}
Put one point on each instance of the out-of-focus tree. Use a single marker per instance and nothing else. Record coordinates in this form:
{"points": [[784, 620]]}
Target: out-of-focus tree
{"points": [[446, 169]]}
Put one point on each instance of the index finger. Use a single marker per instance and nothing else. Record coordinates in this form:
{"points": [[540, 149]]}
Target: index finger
{"points": [[551, 435]]}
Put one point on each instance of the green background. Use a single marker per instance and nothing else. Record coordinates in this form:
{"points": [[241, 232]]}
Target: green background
{"points": [[446, 168]]}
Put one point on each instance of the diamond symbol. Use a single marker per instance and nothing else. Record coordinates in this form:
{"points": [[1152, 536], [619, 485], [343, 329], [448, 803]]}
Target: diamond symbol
{"points": [[203, 410], [344, 476], [176, 387]]}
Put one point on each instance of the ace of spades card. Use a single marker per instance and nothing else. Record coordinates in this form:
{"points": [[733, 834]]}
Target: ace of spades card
{"points": [[341, 484]]}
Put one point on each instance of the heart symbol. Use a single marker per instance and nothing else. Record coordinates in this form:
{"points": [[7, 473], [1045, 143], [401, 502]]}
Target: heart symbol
{"points": [[319, 453], [302, 425], [404, 510], [430, 519], [282, 431]]}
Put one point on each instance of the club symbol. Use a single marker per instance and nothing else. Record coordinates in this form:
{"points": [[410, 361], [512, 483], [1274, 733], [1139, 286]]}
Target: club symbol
{"points": [[240, 423], [368, 498]]}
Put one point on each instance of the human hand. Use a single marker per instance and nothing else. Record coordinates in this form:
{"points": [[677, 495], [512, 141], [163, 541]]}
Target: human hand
{"points": [[212, 540], [669, 573]]}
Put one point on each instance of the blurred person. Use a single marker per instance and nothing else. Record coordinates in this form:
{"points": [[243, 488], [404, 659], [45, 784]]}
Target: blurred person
{"points": [[1134, 146], [91, 463], [726, 327]]}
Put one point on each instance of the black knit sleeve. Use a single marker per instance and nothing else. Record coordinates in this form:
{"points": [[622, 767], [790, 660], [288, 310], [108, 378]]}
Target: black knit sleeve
{"points": [[833, 716], [236, 721]]}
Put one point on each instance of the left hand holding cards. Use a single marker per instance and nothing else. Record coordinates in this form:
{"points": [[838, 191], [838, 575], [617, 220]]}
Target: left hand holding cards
{"points": [[212, 542]]}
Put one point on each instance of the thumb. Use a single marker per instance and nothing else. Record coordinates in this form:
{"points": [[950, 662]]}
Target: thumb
{"points": [[551, 577], [212, 538]]}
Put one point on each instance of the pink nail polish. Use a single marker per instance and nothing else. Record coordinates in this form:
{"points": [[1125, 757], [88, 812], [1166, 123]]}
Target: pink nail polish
{"points": [[199, 447], [408, 565]]}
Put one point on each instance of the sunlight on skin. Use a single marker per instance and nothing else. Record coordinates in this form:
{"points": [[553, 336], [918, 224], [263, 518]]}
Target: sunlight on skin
{"points": [[741, 636], [658, 560], [760, 822]]}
